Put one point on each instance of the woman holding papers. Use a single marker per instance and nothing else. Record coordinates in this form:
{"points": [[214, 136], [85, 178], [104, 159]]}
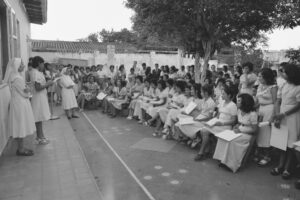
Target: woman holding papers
{"points": [[231, 150], [288, 115], [171, 118], [91, 90], [225, 119], [266, 96], [69, 102], [39, 100], [205, 111]]}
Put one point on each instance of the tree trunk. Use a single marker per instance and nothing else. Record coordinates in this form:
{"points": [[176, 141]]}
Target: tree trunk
{"points": [[197, 68], [207, 46]]}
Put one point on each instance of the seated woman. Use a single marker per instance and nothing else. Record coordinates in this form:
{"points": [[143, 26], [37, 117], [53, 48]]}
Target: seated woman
{"points": [[135, 92], [203, 112], [147, 93], [171, 119], [90, 92], [232, 153], [156, 104], [108, 90], [120, 97], [175, 102], [225, 119]]}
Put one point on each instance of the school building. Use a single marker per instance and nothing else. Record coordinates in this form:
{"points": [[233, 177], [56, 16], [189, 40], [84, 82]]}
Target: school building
{"points": [[15, 19]]}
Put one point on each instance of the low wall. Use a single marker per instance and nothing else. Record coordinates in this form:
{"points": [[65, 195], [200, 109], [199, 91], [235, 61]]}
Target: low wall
{"points": [[4, 106]]}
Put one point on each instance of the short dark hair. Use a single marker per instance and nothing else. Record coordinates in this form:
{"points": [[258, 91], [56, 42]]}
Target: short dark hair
{"points": [[249, 65], [247, 103], [140, 78], [36, 61], [162, 83], [208, 89], [292, 72], [229, 91], [180, 85], [268, 75]]}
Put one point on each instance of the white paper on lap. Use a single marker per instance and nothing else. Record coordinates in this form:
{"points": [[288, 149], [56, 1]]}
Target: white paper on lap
{"points": [[192, 105], [212, 122], [297, 145], [101, 96], [186, 120], [200, 117], [228, 135], [263, 124], [279, 137]]}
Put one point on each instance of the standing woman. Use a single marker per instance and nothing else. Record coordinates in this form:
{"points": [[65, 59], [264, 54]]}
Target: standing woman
{"points": [[247, 79], [69, 102], [21, 119], [267, 97], [288, 109], [39, 101]]}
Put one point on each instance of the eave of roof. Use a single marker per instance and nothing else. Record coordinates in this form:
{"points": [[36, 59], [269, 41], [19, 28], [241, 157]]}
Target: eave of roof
{"points": [[36, 11]]}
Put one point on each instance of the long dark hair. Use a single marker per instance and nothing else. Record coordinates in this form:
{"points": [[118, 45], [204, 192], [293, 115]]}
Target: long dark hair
{"points": [[292, 72]]}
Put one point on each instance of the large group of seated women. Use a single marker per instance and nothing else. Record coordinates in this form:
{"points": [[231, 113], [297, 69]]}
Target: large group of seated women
{"points": [[234, 98]]}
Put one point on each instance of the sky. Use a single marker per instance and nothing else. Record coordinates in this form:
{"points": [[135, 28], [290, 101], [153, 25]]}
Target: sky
{"points": [[70, 20]]}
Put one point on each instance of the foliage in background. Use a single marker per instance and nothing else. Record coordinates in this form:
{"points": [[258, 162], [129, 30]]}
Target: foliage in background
{"points": [[293, 55]]}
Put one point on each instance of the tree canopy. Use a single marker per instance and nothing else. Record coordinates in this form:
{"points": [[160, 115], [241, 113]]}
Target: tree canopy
{"points": [[293, 55], [202, 26]]}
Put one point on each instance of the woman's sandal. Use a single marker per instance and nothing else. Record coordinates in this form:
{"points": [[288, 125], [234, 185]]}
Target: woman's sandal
{"points": [[265, 161], [200, 157], [286, 175], [276, 171], [75, 116], [26, 152]]}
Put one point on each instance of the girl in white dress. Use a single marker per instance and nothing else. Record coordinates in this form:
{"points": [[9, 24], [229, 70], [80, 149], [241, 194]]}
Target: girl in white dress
{"points": [[247, 79], [232, 153], [69, 102], [288, 114], [226, 118], [21, 119], [266, 96], [205, 108], [39, 100]]}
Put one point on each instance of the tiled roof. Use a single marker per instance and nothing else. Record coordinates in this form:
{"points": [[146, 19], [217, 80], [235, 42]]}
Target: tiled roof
{"points": [[90, 47]]}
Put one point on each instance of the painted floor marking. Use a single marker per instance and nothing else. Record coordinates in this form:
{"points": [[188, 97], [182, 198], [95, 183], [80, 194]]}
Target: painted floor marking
{"points": [[174, 182], [165, 174], [182, 171], [147, 192], [158, 167], [148, 177]]}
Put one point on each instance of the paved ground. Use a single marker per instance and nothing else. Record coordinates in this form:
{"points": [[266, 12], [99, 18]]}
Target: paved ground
{"points": [[127, 163], [165, 168], [57, 171]]}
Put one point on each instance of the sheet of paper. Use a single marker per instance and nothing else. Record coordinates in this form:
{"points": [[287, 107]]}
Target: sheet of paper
{"points": [[135, 95], [279, 137], [200, 117], [263, 124], [186, 120], [228, 135], [192, 105], [297, 145], [212, 122], [56, 79], [101, 96]]}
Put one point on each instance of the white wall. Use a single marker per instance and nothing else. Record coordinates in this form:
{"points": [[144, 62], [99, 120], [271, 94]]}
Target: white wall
{"points": [[25, 33]]}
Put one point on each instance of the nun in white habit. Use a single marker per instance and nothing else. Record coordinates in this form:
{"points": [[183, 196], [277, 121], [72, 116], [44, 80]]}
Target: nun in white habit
{"points": [[69, 102], [21, 120]]}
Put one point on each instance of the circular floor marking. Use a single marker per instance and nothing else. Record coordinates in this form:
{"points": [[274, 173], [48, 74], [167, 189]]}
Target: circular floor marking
{"points": [[166, 174], [174, 182], [158, 167], [147, 177], [182, 171], [285, 186]]}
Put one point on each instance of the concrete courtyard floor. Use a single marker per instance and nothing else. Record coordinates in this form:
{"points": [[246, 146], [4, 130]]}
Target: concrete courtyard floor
{"points": [[126, 162]]}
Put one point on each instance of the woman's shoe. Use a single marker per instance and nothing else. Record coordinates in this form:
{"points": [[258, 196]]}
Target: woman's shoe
{"points": [[276, 171], [25, 153], [129, 118], [195, 142], [199, 157], [286, 175], [75, 116], [265, 161]]}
